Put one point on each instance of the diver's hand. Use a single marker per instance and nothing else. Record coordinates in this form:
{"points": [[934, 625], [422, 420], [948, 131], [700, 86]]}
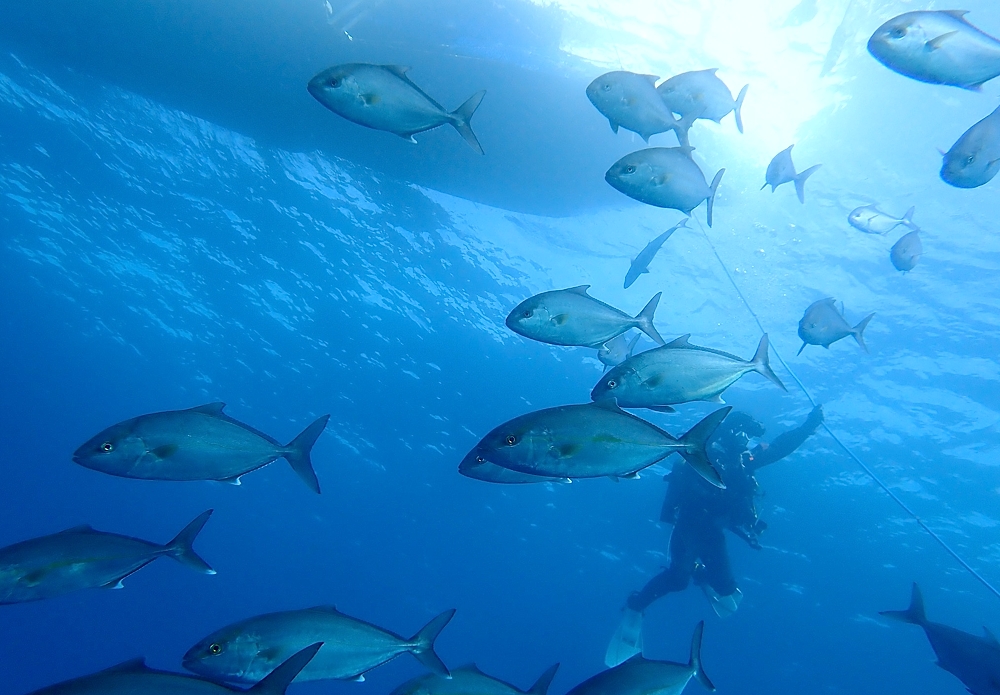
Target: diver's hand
{"points": [[814, 419]]}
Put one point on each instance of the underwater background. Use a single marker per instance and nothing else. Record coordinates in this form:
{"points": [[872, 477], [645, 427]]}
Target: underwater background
{"points": [[182, 223]]}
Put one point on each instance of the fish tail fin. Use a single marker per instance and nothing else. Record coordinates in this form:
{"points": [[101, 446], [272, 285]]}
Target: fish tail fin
{"points": [[915, 613], [644, 320], [541, 686], [695, 660], [696, 439], [278, 680], [738, 106], [298, 450], [800, 181], [908, 219], [633, 343], [762, 364], [859, 331], [180, 548], [711, 197], [463, 115], [423, 644]]}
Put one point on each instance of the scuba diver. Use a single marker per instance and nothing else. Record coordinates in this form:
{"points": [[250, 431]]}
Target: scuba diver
{"points": [[701, 513]]}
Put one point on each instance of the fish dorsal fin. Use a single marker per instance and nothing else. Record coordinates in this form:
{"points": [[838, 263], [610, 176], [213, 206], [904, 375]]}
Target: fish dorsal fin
{"points": [[468, 668], [579, 289], [137, 665], [990, 637], [82, 528], [328, 608], [609, 404], [635, 659], [209, 408], [652, 78], [957, 14], [686, 149], [681, 342], [398, 70]]}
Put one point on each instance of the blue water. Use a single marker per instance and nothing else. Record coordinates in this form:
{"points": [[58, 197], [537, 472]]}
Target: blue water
{"points": [[182, 224]]}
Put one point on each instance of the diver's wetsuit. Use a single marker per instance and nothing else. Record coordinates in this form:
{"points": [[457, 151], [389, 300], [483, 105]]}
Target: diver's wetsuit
{"points": [[701, 512]]}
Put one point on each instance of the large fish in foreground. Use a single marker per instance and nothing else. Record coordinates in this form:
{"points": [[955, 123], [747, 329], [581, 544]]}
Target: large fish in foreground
{"points": [[823, 324], [870, 220], [574, 318], [84, 558], [700, 93], [679, 372], [591, 441], [781, 170], [972, 659], [382, 97], [469, 680], [201, 443], [631, 101], [642, 676], [246, 651], [641, 263], [666, 177], [135, 678], [939, 47], [974, 159]]}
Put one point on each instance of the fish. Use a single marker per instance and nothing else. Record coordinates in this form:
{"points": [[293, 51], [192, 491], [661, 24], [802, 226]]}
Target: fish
{"points": [[972, 659], [665, 177], [85, 558], [616, 351], [781, 170], [201, 443], [246, 651], [679, 372], [630, 101], [937, 46], [700, 93], [907, 251], [642, 676], [592, 440], [641, 263], [492, 473], [382, 97], [870, 220], [469, 680], [974, 159], [823, 325], [572, 317], [135, 678]]}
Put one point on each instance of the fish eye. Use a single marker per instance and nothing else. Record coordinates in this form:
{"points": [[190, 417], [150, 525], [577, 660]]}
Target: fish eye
{"points": [[480, 459], [528, 313], [897, 32], [630, 169], [970, 159], [607, 87], [215, 648], [511, 440], [335, 82], [107, 447], [612, 384]]}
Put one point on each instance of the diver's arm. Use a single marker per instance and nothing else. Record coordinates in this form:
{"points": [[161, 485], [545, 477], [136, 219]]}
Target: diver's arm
{"points": [[785, 444]]}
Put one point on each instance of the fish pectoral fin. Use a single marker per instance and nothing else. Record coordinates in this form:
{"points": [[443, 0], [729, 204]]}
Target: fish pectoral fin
{"points": [[660, 180], [564, 451], [936, 43], [652, 382], [661, 408], [165, 451], [370, 99], [559, 319], [398, 70], [34, 578]]}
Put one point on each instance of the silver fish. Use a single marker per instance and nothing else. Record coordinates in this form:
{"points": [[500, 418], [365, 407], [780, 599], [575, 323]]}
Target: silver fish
{"points": [[975, 158], [592, 441], [572, 317], [939, 47], [823, 324], [700, 93], [679, 372], [492, 473], [907, 251], [201, 443], [666, 177], [135, 678], [642, 676], [870, 220], [781, 170], [83, 558], [246, 651], [469, 680], [382, 97], [616, 351], [631, 101], [641, 263]]}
